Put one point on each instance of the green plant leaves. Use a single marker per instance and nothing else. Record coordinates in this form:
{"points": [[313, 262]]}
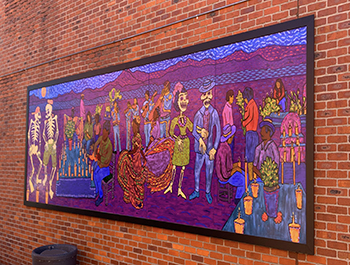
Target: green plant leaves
{"points": [[269, 172]]}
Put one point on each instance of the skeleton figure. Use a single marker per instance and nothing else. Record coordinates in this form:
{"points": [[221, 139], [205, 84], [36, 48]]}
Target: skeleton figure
{"points": [[34, 142], [50, 136]]}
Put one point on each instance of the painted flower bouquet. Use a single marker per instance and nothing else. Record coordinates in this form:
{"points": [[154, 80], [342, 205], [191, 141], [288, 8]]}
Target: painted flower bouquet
{"points": [[269, 173], [269, 176], [70, 129], [270, 106], [295, 103], [240, 104]]}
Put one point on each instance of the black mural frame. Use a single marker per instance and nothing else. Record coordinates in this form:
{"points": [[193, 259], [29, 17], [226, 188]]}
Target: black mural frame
{"points": [[279, 244]]}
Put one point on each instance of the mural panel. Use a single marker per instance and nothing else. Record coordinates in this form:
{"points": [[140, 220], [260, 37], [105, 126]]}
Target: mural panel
{"points": [[214, 139]]}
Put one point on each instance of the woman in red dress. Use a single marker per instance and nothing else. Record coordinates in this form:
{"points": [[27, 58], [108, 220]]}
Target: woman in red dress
{"points": [[135, 168], [132, 170]]}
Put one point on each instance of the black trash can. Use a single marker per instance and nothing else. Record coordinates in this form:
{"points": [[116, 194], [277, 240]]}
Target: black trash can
{"points": [[59, 254]]}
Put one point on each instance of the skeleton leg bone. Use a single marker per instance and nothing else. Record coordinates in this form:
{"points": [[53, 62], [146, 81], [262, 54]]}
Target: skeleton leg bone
{"points": [[31, 186], [45, 178], [39, 170], [52, 176], [170, 187], [179, 191]]}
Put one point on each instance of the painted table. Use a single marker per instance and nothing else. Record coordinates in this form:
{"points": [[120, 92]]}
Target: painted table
{"points": [[254, 224]]}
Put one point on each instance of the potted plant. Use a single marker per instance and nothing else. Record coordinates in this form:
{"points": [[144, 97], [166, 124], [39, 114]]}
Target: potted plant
{"points": [[69, 132], [269, 176], [295, 103], [270, 106]]}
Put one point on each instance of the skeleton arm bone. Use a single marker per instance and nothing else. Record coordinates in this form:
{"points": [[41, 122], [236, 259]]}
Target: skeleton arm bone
{"points": [[39, 150], [57, 132], [29, 128], [44, 136]]}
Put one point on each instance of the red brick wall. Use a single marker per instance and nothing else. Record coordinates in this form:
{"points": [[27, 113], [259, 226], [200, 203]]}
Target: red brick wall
{"points": [[34, 32]]}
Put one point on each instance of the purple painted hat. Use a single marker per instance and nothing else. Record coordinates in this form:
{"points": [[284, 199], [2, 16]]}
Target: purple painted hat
{"points": [[207, 85], [227, 132], [267, 122]]}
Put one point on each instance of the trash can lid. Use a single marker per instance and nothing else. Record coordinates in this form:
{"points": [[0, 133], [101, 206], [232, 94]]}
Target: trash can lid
{"points": [[53, 252]]}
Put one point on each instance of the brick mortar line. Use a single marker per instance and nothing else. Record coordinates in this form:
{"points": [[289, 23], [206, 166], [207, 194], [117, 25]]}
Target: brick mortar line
{"points": [[125, 38]]}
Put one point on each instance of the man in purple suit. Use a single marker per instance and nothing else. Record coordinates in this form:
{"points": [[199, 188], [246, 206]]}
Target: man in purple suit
{"points": [[205, 146]]}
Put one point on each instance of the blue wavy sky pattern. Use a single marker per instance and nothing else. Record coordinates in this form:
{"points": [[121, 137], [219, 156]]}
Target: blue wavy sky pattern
{"points": [[77, 86], [285, 38]]}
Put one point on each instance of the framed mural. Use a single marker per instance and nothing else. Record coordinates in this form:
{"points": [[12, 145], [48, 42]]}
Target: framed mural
{"points": [[214, 139]]}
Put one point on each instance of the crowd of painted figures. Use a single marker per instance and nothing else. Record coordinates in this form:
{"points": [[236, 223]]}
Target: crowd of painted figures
{"points": [[153, 163]]}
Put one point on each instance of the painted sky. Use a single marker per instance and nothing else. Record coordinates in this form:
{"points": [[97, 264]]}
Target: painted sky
{"points": [[286, 38]]}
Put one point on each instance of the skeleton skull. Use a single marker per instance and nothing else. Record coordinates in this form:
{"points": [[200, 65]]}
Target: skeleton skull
{"points": [[183, 101], [48, 110], [37, 114], [206, 98]]}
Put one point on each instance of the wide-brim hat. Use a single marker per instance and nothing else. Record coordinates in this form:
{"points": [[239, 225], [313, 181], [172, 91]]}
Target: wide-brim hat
{"points": [[227, 132], [267, 122], [37, 110], [207, 85]]}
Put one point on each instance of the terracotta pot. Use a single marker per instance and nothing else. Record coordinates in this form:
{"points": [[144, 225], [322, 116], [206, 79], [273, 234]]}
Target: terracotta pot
{"points": [[271, 200], [299, 197], [294, 231], [248, 204], [255, 189], [239, 223], [239, 226]]}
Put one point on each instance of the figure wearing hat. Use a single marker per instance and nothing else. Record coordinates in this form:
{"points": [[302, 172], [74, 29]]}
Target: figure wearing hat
{"points": [[205, 146], [226, 171], [267, 148]]}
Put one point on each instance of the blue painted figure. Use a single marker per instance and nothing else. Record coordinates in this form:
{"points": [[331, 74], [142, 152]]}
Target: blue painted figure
{"points": [[145, 112], [116, 122], [128, 119], [165, 110], [101, 158], [205, 146]]}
